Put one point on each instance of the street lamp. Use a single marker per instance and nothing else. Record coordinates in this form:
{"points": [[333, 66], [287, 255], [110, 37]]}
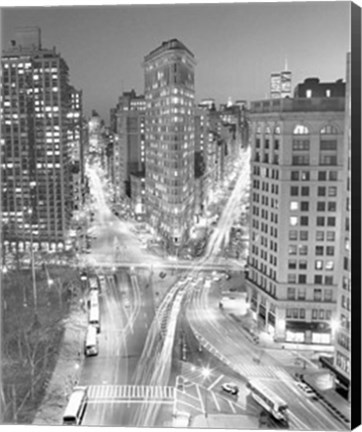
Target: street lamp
{"points": [[205, 372], [35, 297]]}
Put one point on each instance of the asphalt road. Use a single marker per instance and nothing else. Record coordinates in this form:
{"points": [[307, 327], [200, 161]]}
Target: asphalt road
{"points": [[227, 339], [126, 312]]}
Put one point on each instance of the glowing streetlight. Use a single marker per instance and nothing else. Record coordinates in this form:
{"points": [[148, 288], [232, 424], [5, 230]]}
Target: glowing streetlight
{"points": [[205, 372], [50, 282]]}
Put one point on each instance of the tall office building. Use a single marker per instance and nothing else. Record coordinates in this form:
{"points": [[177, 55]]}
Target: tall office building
{"points": [[281, 84], [170, 147], [76, 147], [128, 120], [298, 192], [35, 153]]}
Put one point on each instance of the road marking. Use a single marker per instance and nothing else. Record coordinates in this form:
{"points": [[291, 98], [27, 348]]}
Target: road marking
{"points": [[200, 398], [215, 382], [216, 401], [232, 407]]}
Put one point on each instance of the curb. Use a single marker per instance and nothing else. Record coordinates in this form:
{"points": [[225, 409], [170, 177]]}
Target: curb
{"points": [[331, 408]]}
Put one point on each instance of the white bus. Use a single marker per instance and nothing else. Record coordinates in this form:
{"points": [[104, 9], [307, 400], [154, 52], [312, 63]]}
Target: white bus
{"points": [[77, 403], [94, 317], [93, 298], [271, 402], [93, 282], [91, 342]]}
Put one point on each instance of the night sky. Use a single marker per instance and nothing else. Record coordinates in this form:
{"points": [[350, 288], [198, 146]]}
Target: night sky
{"points": [[236, 46]]}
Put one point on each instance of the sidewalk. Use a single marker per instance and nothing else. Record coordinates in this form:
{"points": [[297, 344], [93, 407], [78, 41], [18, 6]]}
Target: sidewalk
{"points": [[220, 421], [319, 379], [67, 370], [322, 383]]}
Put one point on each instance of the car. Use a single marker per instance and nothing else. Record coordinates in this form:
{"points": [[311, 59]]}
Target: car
{"points": [[307, 390], [230, 388]]}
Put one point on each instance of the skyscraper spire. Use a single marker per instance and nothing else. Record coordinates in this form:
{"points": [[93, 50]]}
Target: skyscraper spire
{"points": [[286, 64]]}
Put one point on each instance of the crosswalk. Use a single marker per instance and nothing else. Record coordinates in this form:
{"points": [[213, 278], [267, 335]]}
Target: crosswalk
{"points": [[259, 371], [129, 393]]}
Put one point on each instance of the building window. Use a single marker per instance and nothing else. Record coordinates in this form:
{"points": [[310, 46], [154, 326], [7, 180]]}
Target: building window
{"points": [[329, 265], [328, 145], [305, 175], [331, 221], [302, 279], [292, 278], [308, 93], [319, 250], [329, 130], [303, 235], [304, 220], [332, 191], [294, 191], [314, 314], [318, 265], [332, 206], [293, 235], [304, 206], [328, 295], [294, 205], [318, 279], [321, 206], [333, 175], [301, 293], [303, 250], [320, 221], [293, 220], [300, 130], [317, 294], [294, 175], [291, 293], [328, 280], [300, 160], [302, 313], [305, 191], [319, 235], [321, 191], [292, 264], [327, 160], [322, 175], [330, 250], [321, 314], [331, 236], [292, 250], [300, 144]]}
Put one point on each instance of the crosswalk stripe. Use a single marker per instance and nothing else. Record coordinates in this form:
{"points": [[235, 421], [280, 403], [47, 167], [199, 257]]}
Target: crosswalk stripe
{"points": [[232, 407], [117, 392]]}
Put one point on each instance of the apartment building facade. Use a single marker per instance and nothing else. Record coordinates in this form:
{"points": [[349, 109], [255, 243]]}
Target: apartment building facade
{"points": [[297, 190]]}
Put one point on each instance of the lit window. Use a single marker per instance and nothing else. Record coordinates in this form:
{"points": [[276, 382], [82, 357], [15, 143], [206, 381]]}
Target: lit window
{"points": [[329, 265], [293, 220], [294, 205], [318, 264]]}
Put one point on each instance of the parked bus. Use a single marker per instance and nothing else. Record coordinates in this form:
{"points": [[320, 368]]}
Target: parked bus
{"points": [[75, 409], [269, 400], [94, 317], [93, 298], [91, 342], [93, 283]]}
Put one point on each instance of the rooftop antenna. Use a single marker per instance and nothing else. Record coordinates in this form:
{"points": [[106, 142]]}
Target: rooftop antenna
{"points": [[286, 64]]}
